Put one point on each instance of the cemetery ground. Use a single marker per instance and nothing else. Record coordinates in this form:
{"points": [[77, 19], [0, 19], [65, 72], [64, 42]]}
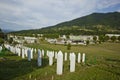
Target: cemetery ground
{"points": [[102, 63]]}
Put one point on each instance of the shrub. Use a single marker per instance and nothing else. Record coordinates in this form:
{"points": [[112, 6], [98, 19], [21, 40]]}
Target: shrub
{"points": [[68, 46], [113, 38]]}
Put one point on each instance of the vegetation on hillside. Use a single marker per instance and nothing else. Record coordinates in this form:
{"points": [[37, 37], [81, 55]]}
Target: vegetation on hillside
{"points": [[93, 24]]}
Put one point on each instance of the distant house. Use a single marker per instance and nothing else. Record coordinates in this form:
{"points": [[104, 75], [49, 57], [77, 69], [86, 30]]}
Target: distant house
{"points": [[81, 39], [63, 37], [51, 40], [110, 35], [30, 39]]}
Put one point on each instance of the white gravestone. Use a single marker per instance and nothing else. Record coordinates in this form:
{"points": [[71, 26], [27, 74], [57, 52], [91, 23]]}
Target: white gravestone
{"points": [[53, 52], [79, 57], [50, 55], [55, 55], [47, 53], [32, 53], [39, 58], [65, 56], [83, 57], [0, 48], [72, 62], [29, 54], [19, 51], [59, 63], [23, 56]]}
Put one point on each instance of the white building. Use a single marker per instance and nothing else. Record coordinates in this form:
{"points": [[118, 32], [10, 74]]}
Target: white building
{"points": [[110, 35], [30, 39], [81, 39]]}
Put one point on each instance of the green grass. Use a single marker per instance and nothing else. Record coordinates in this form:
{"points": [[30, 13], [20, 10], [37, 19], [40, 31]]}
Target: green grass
{"points": [[102, 63]]}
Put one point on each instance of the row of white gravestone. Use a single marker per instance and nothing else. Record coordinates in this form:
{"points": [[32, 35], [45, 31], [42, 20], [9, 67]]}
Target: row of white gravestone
{"points": [[72, 58], [59, 56], [51, 54], [21, 51]]}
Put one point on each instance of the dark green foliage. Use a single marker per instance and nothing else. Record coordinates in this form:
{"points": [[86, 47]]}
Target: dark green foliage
{"points": [[1, 41], [95, 39], [51, 35], [68, 46], [101, 38], [10, 40], [15, 43], [1, 34], [99, 42], [113, 38], [87, 42], [107, 38], [118, 38], [65, 43]]}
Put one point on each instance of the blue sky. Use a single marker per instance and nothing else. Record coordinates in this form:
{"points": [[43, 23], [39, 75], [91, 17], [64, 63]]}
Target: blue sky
{"points": [[34, 14]]}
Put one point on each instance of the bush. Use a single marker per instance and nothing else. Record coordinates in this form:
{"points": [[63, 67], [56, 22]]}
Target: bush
{"points": [[107, 38], [95, 39], [113, 38], [68, 46], [118, 38], [1, 41], [87, 42]]}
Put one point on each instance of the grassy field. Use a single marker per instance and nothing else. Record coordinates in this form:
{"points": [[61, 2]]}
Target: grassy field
{"points": [[102, 63]]}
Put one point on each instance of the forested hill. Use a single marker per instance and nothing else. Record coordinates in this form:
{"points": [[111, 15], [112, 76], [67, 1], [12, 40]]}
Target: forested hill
{"points": [[96, 23]]}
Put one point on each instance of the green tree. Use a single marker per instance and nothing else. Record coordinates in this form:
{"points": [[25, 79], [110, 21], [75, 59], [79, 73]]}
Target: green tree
{"points": [[87, 42], [10, 40], [118, 38], [1, 41], [15, 43], [101, 38], [67, 36], [95, 39], [113, 38], [107, 38], [25, 42], [68, 46]]}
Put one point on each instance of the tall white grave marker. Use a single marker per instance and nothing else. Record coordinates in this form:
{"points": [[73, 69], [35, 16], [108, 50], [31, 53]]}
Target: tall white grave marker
{"points": [[32, 53], [0, 48], [50, 55], [29, 54], [39, 58], [23, 55], [55, 55], [65, 56], [79, 57], [59, 63], [83, 57], [72, 62], [19, 51]]}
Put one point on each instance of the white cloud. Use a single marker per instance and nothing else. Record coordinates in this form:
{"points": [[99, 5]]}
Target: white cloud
{"points": [[41, 13], [107, 3]]}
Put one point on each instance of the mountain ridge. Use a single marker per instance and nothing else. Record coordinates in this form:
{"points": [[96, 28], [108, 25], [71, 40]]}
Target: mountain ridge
{"points": [[95, 22]]}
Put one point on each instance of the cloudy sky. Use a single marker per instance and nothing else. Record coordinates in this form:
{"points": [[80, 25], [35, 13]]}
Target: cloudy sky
{"points": [[33, 14]]}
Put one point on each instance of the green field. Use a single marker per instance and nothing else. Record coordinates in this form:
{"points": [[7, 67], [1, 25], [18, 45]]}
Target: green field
{"points": [[102, 63]]}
